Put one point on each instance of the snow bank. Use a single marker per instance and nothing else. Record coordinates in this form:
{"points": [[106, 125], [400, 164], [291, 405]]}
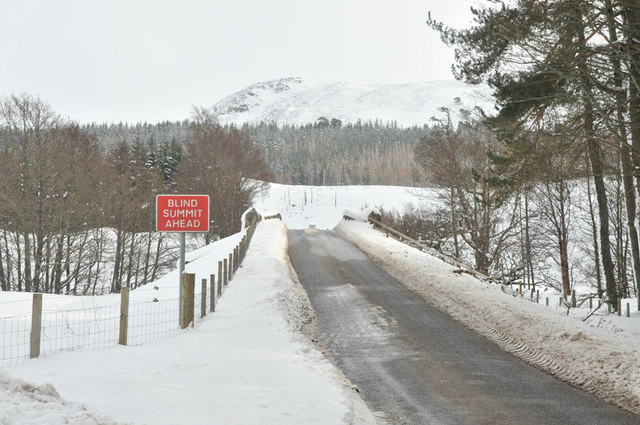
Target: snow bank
{"points": [[361, 215], [247, 363], [597, 360], [22, 403]]}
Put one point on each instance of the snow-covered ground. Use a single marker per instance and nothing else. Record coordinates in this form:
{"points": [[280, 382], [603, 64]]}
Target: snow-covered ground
{"points": [[248, 363], [250, 353], [599, 360], [323, 206]]}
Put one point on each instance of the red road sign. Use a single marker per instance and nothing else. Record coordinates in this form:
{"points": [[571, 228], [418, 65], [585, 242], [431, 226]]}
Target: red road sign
{"points": [[182, 213]]}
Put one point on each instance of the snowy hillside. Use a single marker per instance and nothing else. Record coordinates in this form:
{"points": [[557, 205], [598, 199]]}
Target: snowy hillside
{"points": [[294, 101]]}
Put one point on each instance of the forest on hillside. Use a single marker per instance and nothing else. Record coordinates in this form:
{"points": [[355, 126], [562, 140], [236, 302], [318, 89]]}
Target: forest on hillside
{"points": [[78, 201], [326, 152]]}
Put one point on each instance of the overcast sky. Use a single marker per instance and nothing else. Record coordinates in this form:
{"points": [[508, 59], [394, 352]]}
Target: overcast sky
{"points": [[151, 60]]}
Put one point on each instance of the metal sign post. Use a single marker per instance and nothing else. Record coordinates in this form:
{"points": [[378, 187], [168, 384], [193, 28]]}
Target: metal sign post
{"points": [[182, 214], [183, 237]]}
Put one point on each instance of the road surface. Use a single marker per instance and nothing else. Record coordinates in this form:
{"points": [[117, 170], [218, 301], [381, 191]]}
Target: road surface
{"points": [[415, 363]]}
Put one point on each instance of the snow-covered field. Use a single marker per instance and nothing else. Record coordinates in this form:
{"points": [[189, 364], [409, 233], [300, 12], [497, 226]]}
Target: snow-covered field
{"points": [[323, 206], [599, 360], [247, 363]]}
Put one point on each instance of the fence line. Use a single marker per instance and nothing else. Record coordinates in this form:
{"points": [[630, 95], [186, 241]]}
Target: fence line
{"points": [[135, 323]]}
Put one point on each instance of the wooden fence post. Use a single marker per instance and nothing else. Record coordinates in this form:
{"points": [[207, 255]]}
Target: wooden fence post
{"points": [[124, 315], [226, 273], [619, 306], [235, 259], [230, 266], [220, 279], [212, 278], [188, 289], [547, 301], [628, 311], [203, 299], [36, 325], [573, 298]]}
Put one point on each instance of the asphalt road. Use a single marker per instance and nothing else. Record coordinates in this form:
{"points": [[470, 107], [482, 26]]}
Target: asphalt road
{"points": [[415, 363]]}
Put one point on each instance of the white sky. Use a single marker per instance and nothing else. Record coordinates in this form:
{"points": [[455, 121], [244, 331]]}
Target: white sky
{"points": [[151, 60]]}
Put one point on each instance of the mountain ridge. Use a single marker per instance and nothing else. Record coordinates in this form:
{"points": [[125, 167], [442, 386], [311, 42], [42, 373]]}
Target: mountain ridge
{"points": [[293, 100]]}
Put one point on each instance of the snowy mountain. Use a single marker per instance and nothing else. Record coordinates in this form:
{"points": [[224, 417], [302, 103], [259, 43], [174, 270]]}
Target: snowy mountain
{"points": [[294, 101]]}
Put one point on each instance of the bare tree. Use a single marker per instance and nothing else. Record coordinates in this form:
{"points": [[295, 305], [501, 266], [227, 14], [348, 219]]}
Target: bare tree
{"points": [[481, 213], [227, 166]]}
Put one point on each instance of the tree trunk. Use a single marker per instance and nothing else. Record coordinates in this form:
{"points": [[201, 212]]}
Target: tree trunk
{"points": [[595, 157], [632, 27], [131, 256], [57, 265], [3, 278], [596, 246], [626, 160], [527, 236], [8, 260], [454, 224], [116, 281], [27, 261]]}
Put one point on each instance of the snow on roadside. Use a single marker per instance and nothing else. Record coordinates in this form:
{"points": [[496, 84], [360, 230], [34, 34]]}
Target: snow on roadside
{"points": [[245, 364], [594, 359], [23, 403]]}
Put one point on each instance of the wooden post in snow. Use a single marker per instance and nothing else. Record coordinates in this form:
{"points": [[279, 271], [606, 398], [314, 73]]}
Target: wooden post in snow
{"points": [[36, 325], [212, 302], [124, 315], [203, 299], [220, 279], [188, 289], [226, 273]]}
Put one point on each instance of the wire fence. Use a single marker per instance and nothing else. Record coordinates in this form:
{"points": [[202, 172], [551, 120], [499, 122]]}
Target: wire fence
{"points": [[100, 327], [152, 321], [14, 332], [79, 329]]}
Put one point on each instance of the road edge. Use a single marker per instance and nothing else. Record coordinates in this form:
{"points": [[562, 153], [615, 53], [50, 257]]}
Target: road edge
{"points": [[304, 321], [603, 386]]}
